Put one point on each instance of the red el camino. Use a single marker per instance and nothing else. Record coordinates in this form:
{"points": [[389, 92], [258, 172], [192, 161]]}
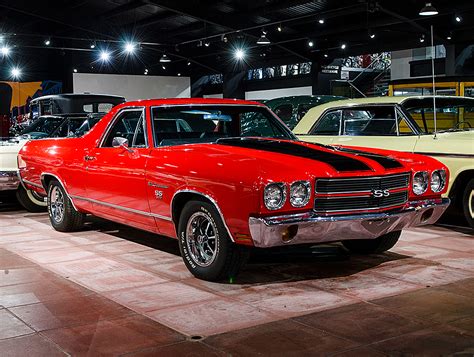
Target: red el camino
{"points": [[226, 175]]}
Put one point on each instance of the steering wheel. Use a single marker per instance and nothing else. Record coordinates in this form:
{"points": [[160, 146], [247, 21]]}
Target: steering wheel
{"points": [[457, 125]]}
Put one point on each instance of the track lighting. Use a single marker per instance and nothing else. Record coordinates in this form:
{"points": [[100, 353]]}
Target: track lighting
{"points": [[263, 40], [310, 43], [92, 45], [458, 18], [165, 59], [279, 28], [428, 10], [75, 70], [343, 46], [47, 42], [321, 21], [422, 38]]}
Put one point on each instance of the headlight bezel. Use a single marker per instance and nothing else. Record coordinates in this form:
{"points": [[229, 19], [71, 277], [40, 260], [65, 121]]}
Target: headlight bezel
{"points": [[283, 188], [442, 177], [426, 177], [307, 186]]}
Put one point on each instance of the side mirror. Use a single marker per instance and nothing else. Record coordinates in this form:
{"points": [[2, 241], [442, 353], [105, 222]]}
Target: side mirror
{"points": [[119, 142]]}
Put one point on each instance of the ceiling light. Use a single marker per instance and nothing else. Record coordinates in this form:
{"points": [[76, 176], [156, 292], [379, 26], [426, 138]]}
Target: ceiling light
{"points": [[165, 59], [450, 36], [428, 10], [164, 67], [372, 35], [145, 73], [75, 70], [326, 55], [129, 48], [422, 38], [189, 63], [279, 28], [92, 45], [47, 42], [239, 54], [207, 43], [5, 51], [179, 74], [343, 46], [310, 43], [104, 56], [263, 40], [224, 38], [321, 21], [458, 18], [16, 72]]}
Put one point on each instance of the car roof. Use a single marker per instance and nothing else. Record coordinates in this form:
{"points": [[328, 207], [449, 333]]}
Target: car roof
{"points": [[307, 122], [77, 95], [188, 101]]}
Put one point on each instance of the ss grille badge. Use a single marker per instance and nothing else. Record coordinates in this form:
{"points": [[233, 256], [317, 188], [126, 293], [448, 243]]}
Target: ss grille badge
{"points": [[380, 193]]}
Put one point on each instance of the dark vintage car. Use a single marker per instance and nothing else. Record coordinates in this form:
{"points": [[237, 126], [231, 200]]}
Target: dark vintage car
{"points": [[222, 176], [292, 109]]}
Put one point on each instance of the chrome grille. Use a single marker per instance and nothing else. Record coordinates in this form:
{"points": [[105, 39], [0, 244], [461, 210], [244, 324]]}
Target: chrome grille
{"points": [[357, 194]]}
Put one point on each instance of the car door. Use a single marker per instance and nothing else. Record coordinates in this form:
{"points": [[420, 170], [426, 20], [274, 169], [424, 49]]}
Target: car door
{"points": [[115, 178], [383, 127]]}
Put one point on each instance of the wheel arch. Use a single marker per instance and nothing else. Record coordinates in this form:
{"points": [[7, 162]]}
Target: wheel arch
{"points": [[181, 197], [458, 186], [46, 179]]}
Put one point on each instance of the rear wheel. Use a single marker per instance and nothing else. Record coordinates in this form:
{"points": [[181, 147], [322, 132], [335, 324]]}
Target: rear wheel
{"points": [[205, 245], [373, 246], [468, 203], [31, 201], [62, 214]]}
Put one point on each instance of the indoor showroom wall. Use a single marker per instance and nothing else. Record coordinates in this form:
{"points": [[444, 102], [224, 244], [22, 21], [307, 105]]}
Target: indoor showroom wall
{"points": [[270, 93], [131, 86]]}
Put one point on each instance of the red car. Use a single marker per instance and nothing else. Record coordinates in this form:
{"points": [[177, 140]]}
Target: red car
{"points": [[226, 175]]}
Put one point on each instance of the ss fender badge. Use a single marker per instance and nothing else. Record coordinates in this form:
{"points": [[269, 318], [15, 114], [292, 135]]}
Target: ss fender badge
{"points": [[158, 194], [380, 193]]}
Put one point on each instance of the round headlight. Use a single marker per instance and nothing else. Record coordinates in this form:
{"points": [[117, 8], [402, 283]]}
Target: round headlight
{"points": [[274, 196], [300, 191], [438, 180], [420, 182]]}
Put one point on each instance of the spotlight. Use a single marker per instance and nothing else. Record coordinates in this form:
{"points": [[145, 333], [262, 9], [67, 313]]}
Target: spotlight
{"points": [[5, 50], [239, 54], [326, 55], [92, 45], [165, 59], [321, 21], [75, 70], [207, 43], [310, 43], [179, 74], [104, 56], [129, 48], [371, 35], [15, 72], [189, 63], [145, 73], [224, 38], [279, 28], [263, 40], [47, 42], [428, 10], [422, 38], [343, 46], [164, 67], [458, 18]]}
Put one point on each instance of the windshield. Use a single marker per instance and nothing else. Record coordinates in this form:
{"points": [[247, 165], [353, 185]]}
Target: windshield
{"points": [[451, 113], [197, 124], [74, 127], [43, 127]]}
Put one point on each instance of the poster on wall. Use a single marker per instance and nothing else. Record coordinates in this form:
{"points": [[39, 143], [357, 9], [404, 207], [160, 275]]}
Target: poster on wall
{"points": [[15, 98]]}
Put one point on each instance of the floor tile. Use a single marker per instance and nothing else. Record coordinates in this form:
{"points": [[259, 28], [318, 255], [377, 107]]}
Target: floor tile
{"points": [[115, 337], [188, 349], [451, 243], [461, 287], [11, 326], [466, 325], [21, 275], [58, 255], [31, 345], [95, 265]]}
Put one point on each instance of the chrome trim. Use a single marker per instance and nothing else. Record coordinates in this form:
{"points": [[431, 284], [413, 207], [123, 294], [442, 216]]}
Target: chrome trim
{"points": [[61, 183], [459, 156], [426, 173], [115, 118], [312, 228], [213, 201], [441, 172], [365, 177], [361, 209], [284, 187], [32, 183], [321, 196], [126, 209], [153, 184]]}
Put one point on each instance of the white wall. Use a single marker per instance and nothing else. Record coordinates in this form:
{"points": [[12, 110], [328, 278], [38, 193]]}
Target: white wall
{"points": [[276, 93], [400, 67], [132, 87], [213, 95]]}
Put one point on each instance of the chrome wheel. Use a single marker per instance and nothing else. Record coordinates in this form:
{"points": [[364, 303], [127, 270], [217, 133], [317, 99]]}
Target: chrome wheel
{"points": [[201, 239], [56, 204]]}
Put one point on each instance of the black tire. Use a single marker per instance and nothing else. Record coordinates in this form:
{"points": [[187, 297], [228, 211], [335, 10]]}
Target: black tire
{"points": [[373, 246], [227, 257], [29, 201], [468, 203], [70, 220]]}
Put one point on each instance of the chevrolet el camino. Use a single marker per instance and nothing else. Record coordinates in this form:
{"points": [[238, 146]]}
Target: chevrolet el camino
{"points": [[222, 176]]}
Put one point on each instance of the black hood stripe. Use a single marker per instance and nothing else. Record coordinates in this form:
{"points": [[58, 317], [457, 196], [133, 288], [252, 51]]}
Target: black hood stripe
{"points": [[338, 162], [385, 161]]}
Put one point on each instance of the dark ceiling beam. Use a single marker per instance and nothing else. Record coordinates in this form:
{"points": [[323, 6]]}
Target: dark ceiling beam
{"points": [[132, 5]]}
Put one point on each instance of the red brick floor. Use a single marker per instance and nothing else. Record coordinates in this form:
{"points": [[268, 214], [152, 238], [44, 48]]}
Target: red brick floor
{"points": [[112, 290]]}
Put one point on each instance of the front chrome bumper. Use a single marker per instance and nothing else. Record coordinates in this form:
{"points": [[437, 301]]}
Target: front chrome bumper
{"points": [[311, 228], [9, 180]]}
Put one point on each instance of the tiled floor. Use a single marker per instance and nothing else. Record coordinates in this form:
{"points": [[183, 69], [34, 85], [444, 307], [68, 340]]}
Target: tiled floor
{"points": [[113, 290]]}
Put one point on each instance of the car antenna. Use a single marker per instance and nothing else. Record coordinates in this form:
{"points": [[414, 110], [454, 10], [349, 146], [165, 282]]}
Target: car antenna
{"points": [[433, 52]]}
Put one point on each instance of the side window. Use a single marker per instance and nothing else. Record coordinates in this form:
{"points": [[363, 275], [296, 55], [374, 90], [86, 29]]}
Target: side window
{"points": [[104, 107], [303, 109], [284, 112], [329, 124], [403, 127], [370, 121], [88, 108], [130, 124]]}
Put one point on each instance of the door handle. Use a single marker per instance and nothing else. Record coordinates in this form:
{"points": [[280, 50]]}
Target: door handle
{"points": [[89, 158]]}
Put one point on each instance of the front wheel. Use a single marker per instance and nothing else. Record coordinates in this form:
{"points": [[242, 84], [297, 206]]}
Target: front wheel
{"points": [[372, 246], [30, 200], [62, 214], [468, 203], [205, 245]]}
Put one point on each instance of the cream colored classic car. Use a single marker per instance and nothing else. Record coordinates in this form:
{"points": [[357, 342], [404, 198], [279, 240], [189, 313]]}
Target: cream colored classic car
{"points": [[405, 124]]}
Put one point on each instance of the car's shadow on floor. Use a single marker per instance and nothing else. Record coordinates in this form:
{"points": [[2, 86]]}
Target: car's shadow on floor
{"points": [[290, 263]]}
